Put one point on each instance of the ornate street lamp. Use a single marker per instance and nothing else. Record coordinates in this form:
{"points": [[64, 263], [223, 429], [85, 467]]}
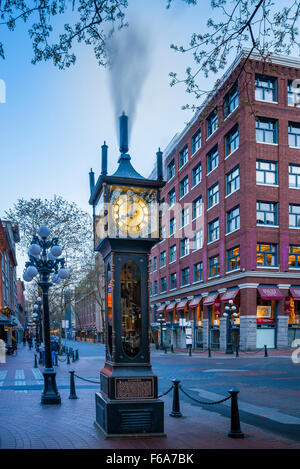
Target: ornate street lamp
{"points": [[44, 260], [37, 314], [230, 310], [161, 320]]}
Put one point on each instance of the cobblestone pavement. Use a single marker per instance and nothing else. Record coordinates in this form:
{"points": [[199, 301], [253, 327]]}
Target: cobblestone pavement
{"points": [[269, 391]]}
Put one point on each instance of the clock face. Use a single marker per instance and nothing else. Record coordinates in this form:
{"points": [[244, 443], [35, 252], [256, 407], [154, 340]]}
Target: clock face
{"points": [[130, 213]]}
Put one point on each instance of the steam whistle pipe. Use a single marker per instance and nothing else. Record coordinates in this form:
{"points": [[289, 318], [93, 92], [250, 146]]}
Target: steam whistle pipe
{"points": [[104, 159], [92, 180], [159, 165], [123, 134]]}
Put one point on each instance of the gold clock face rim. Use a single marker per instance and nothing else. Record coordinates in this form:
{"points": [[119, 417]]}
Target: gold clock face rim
{"points": [[130, 213]]}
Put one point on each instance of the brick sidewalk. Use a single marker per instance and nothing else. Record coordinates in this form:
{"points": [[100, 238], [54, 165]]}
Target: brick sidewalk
{"points": [[25, 423]]}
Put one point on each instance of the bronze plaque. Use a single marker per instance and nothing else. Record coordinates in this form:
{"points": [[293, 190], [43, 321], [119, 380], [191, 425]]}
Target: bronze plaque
{"points": [[134, 388]]}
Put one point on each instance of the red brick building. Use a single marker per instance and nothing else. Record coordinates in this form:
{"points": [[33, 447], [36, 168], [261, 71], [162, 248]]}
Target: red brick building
{"points": [[231, 213]]}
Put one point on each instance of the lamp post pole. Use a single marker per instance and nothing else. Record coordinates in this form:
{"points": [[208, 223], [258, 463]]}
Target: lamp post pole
{"points": [[44, 260], [230, 310], [161, 321]]}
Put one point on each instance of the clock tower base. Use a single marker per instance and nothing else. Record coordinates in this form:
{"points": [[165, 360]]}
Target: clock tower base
{"points": [[142, 418]]}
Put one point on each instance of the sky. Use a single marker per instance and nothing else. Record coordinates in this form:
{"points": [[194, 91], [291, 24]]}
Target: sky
{"points": [[54, 122]]}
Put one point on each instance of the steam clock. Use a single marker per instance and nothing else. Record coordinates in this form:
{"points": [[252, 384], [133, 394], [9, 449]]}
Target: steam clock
{"points": [[126, 227]]}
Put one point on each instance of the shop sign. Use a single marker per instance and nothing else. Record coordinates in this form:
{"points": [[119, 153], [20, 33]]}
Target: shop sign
{"points": [[265, 321]]}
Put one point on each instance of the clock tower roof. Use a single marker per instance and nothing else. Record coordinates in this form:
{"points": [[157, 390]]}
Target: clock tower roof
{"points": [[125, 169]]}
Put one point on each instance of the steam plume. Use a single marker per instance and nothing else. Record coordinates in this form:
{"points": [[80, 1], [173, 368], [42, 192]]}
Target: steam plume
{"points": [[129, 58]]}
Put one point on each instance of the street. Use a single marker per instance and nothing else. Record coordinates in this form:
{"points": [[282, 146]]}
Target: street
{"points": [[269, 402]]}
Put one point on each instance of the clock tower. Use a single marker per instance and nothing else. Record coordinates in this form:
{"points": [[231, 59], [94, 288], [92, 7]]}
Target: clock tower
{"points": [[126, 226]]}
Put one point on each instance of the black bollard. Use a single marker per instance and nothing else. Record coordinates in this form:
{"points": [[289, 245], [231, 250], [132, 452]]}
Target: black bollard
{"points": [[68, 358], [235, 427], [237, 351], [266, 351], [40, 359], [190, 350], [166, 351], [176, 404], [72, 385], [73, 356], [209, 354], [55, 360], [35, 361], [172, 348], [77, 354]]}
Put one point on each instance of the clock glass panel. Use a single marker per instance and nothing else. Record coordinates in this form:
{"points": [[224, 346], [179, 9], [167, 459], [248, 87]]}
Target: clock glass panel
{"points": [[132, 212]]}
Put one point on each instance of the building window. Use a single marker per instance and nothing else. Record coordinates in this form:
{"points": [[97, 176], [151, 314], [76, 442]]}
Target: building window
{"points": [[232, 140], [163, 258], [172, 197], [155, 290], [183, 156], [163, 284], [171, 170], [266, 130], [233, 258], [213, 195], [197, 208], [172, 226], [173, 253], [185, 276], [233, 180], [184, 217], [212, 159], [184, 247], [173, 281], [213, 230], [293, 93], [231, 101], [214, 266], [266, 213], [294, 256], [266, 172], [150, 266], [294, 216], [265, 88], [196, 174], [198, 240], [198, 272], [294, 175], [233, 219], [294, 134], [154, 264], [184, 187], [196, 141], [266, 255], [212, 123]]}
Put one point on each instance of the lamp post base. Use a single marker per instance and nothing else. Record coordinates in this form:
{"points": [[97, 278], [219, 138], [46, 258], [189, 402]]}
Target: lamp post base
{"points": [[50, 394]]}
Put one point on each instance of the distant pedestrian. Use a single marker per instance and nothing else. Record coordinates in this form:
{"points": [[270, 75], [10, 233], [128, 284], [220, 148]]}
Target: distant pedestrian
{"points": [[42, 351], [29, 340], [54, 349], [24, 340]]}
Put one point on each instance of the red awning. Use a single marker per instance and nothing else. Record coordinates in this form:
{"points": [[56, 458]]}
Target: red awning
{"points": [[229, 295], [270, 293], [161, 309], [170, 307], [295, 293], [182, 305], [195, 302], [210, 299]]}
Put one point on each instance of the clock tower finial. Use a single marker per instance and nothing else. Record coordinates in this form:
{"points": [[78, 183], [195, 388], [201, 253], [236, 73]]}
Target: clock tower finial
{"points": [[123, 134]]}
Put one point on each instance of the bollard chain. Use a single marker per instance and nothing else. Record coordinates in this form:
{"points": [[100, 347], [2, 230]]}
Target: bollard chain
{"points": [[202, 402]]}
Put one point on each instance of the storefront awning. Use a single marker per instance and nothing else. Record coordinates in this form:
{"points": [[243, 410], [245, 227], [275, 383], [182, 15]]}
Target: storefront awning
{"points": [[195, 302], [210, 299], [181, 305], [171, 306], [295, 292], [4, 319], [270, 293], [229, 295], [161, 309]]}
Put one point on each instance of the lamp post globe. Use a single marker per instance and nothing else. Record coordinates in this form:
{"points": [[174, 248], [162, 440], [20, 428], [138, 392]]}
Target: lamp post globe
{"points": [[40, 263]]}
